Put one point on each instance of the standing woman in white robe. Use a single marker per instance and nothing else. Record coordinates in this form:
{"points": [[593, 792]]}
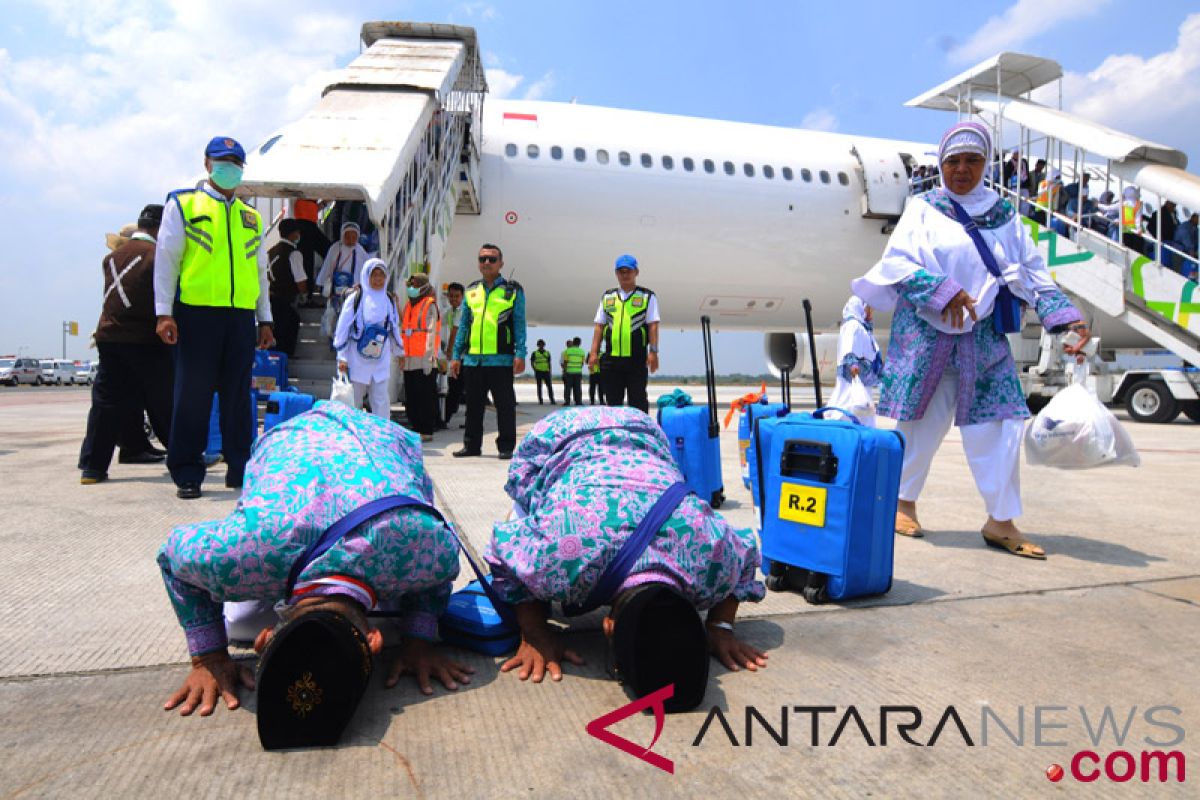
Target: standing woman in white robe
{"points": [[858, 357], [343, 262], [368, 328]]}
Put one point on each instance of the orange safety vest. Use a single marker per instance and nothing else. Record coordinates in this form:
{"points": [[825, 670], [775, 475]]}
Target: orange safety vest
{"points": [[1129, 217], [415, 332]]}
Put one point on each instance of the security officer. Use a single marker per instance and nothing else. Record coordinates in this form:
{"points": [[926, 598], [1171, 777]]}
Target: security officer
{"points": [[627, 323], [540, 359], [210, 281], [489, 350], [573, 361], [289, 283]]}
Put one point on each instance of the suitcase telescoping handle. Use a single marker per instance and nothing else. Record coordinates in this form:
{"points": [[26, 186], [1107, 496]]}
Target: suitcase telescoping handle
{"points": [[710, 377], [812, 351], [805, 458]]}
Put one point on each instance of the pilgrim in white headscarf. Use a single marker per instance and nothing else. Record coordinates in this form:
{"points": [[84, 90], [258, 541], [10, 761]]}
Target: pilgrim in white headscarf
{"points": [[343, 262], [368, 328], [948, 361], [858, 357]]}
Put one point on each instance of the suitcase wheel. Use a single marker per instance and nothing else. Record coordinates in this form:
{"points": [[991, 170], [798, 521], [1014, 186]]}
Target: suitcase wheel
{"points": [[717, 499], [776, 583], [815, 595]]}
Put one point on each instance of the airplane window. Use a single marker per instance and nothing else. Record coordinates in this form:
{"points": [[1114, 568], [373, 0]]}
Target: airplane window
{"points": [[602, 156], [623, 157], [843, 179], [510, 150], [709, 166], [768, 171], [729, 168], [532, 151], [748, 169], [556, 152], [668, 162], [580, 154], [806, 175], [824, 176], [787, 173], [647, 161], [688, 164]]}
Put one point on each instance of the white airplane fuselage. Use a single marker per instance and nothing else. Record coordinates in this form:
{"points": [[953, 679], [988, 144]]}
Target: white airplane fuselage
{"points": [[743, 248]]}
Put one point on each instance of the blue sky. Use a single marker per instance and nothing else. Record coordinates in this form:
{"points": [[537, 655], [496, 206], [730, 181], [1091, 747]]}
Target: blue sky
{"points": [[105, 106]]}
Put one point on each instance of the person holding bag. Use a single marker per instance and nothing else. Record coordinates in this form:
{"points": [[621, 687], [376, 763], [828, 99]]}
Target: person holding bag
{"points": [[367, 328], [956, 272], [860, 364]]}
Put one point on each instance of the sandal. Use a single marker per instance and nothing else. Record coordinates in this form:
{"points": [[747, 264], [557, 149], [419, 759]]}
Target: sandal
{"points": [[1017, 545], [907, 526]]}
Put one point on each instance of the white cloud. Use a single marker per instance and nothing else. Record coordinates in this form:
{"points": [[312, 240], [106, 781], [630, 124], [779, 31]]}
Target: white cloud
{"points": [[1022, 21], [502, 83], [819, 119], [538, 89]]}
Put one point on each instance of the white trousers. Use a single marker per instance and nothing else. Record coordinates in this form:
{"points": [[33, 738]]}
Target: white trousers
{"points": [[381, 404], [993, 452], [244, 619]]}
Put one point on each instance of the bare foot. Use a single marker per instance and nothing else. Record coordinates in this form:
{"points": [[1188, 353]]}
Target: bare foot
{"points": [[906, 519]]}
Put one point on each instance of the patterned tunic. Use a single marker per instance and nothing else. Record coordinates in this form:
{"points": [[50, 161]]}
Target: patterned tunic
{"points": [[586, 477], [303, 476], [918, 353]]}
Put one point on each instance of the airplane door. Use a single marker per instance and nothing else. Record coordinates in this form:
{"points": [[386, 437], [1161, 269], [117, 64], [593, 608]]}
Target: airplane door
{"points": [[885, 177]]}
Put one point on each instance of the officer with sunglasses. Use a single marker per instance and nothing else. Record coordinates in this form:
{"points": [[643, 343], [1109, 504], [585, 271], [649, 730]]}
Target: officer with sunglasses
{"points": [[489, 351]]}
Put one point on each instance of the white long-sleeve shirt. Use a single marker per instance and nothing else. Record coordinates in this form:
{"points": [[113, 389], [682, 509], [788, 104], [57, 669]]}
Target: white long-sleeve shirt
{"points": [[168, 256]]}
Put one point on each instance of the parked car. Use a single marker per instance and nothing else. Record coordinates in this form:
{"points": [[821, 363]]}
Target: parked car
{"points": [[84, 374], [57, 371], [15, 370]]}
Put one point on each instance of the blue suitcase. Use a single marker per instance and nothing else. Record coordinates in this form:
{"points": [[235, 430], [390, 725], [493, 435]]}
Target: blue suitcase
{"points": [[695, 436], [750, 415], [827, 493], [472, 622], [213, 447], [270, 373], [282, 406]]}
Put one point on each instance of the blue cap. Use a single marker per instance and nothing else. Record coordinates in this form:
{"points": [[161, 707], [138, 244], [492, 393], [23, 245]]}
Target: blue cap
{"points": [[626, 262], [222, 146]]}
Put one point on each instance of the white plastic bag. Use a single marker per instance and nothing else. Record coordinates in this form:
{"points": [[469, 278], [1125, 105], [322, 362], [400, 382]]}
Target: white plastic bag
{"points": [[328, 320], [855, 398], [342, 391], [1076, 431]]}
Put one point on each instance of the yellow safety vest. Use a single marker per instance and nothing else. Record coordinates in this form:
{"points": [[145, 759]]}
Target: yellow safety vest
{"points": [[491, 318], [1129, 217], [574, 357], [625, 333], [1046, 198], [541, 360], [219, 266]]}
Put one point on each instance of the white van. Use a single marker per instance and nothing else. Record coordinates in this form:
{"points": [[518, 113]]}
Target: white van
{"points": [[57, 371]]}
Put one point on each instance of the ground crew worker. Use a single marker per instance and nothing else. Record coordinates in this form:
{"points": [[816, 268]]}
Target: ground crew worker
{"points": [[594, 384], [562, 366], [421, 326], [454, 386], [489, 350], [209, 248], [540, 359], [289, 283], [573, 361], [627, 323]]}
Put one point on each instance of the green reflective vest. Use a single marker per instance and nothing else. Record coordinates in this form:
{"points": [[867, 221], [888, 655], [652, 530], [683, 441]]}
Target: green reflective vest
{"points": [[574, 358], [491, 318], [219, 266], [541, 360], [625, 333]]}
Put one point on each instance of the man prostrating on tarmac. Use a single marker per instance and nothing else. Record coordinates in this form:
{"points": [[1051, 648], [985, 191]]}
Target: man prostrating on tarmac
{"points": [[308, 481]]}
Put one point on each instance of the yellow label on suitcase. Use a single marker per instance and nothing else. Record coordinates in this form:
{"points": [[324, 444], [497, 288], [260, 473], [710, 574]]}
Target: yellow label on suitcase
{"points": [[803, 504]]}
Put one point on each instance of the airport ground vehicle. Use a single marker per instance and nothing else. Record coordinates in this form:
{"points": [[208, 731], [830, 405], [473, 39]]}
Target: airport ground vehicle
{"points": [[14, 370]]}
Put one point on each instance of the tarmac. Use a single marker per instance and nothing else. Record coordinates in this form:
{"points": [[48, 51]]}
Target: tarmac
{"points": [[1108, 625]]}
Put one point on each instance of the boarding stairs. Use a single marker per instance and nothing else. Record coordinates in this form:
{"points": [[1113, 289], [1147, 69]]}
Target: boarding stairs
{"points": [[397, 130], [1126, 287]]}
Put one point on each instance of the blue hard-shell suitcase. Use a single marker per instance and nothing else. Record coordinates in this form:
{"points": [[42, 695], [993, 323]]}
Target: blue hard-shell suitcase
{"points": [[282, 406], [695, 435], [827, 492], [213, 447], [472, 622], [270, 372]]}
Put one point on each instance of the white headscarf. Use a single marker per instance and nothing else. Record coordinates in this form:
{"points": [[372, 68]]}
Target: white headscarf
{"points": [[968, 137], [375, 307], [855, 334]]}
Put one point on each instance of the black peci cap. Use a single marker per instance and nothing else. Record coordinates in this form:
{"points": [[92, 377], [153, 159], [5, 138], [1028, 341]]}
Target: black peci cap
{"points": [[659, 639]]}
